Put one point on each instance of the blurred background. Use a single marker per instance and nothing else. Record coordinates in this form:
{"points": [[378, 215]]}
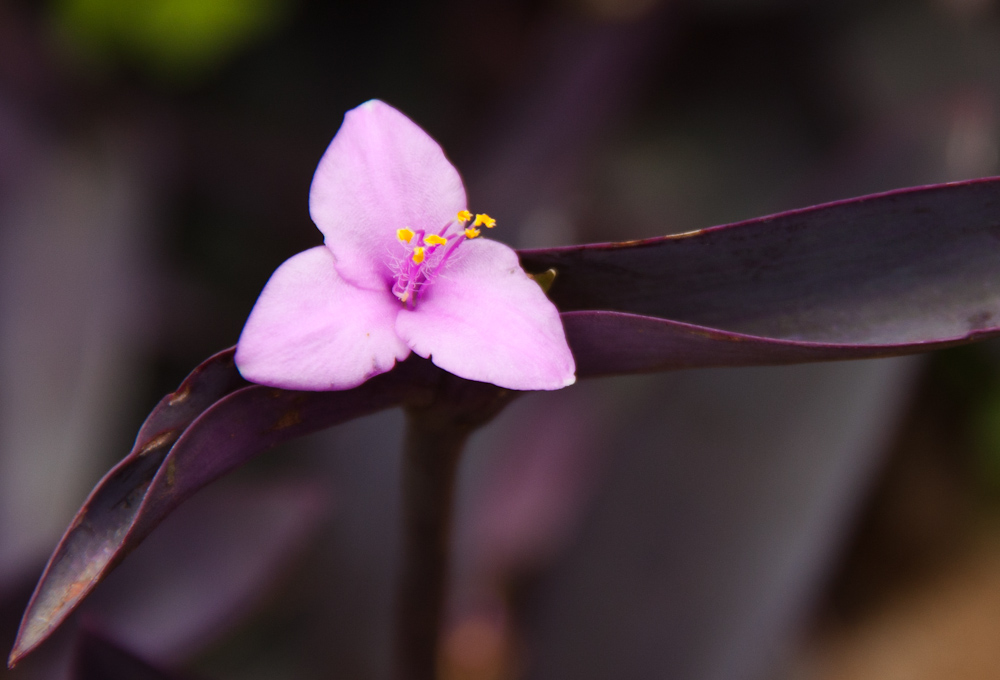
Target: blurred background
{"points": [[827, 522]]}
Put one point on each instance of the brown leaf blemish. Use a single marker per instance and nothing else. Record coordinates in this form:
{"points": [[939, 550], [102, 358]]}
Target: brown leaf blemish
{"points": [[288, 419], [74, 590], [160, 440], [180, 396]]}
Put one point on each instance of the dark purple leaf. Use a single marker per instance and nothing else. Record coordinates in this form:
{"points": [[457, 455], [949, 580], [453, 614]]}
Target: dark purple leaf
{"points": [[880, 275], [210, 381], [138, 493], [112, 506], [607, 343]]}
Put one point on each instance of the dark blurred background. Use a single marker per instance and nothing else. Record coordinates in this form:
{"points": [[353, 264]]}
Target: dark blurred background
{"points": [[825, 522]]}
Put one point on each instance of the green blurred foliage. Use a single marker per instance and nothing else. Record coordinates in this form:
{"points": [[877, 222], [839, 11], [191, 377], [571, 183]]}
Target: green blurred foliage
{"points": [[970, 380], [986, 437], [178, 40]]}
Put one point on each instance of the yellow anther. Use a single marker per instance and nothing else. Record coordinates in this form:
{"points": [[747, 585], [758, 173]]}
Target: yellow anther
{"points": [[404, 296], [435, 240], [471, 232], [484, 220], [418, 255], [405, 235], [464, 216]]}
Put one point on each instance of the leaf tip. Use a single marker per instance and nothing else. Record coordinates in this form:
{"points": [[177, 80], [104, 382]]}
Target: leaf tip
{"points": [[19, 651], [545, 279], [28, 638]]}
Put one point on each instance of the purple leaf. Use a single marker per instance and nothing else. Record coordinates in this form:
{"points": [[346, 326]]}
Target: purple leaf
{"points": [[144, 488], [85, 552], [887, 274], [210, 381], [613, 343], [880, 275]]}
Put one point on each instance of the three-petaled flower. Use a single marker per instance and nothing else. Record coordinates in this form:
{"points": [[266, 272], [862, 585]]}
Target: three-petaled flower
{"points": [[401, 270]]}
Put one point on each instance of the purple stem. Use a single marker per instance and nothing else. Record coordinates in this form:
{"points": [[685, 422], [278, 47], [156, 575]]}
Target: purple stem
{"points": [[436, 432], [430, 462]]}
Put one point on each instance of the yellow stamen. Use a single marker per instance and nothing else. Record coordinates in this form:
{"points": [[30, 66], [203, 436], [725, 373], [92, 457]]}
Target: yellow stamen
{"points": [[405, 235], [464, 216], [402, 298], [484, 220], [418, 255], [435, 240], [471, 233]]}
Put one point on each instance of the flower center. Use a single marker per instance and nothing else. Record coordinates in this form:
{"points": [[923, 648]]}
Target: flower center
{"points": [[426, 254]]}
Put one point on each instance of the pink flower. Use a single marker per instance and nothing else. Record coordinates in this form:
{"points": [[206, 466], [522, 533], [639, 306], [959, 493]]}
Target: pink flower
{"points": [[400, 270]]}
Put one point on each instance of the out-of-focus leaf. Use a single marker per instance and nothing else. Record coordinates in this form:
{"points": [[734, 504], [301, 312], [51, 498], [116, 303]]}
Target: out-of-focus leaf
{"points": [[137, 494], [986, 434], [76, 302], [535, 485], [729, 496], [170, 37], [97, 658], [881, 275], [205, 567]]}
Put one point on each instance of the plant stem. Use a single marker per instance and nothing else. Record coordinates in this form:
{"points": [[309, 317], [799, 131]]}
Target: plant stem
{"points": [[437, 427], [430, 463]]}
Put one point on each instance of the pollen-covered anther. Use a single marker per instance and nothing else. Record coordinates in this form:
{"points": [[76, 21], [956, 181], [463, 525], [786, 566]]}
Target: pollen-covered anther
{"points": [[484, 220], [425, 259]]}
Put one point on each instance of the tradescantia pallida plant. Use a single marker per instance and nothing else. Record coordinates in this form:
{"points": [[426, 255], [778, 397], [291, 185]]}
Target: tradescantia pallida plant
{"points": [[407, 304]]}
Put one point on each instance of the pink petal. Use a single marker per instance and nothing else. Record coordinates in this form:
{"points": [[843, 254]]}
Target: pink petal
{"points": [[381, 173], [312, 330], [484, 319]]}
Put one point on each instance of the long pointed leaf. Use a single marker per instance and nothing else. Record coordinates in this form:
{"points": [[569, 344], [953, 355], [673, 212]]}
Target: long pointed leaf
{"points": [[614, 343], [880, 275], [114, 502], [137, 494]]}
